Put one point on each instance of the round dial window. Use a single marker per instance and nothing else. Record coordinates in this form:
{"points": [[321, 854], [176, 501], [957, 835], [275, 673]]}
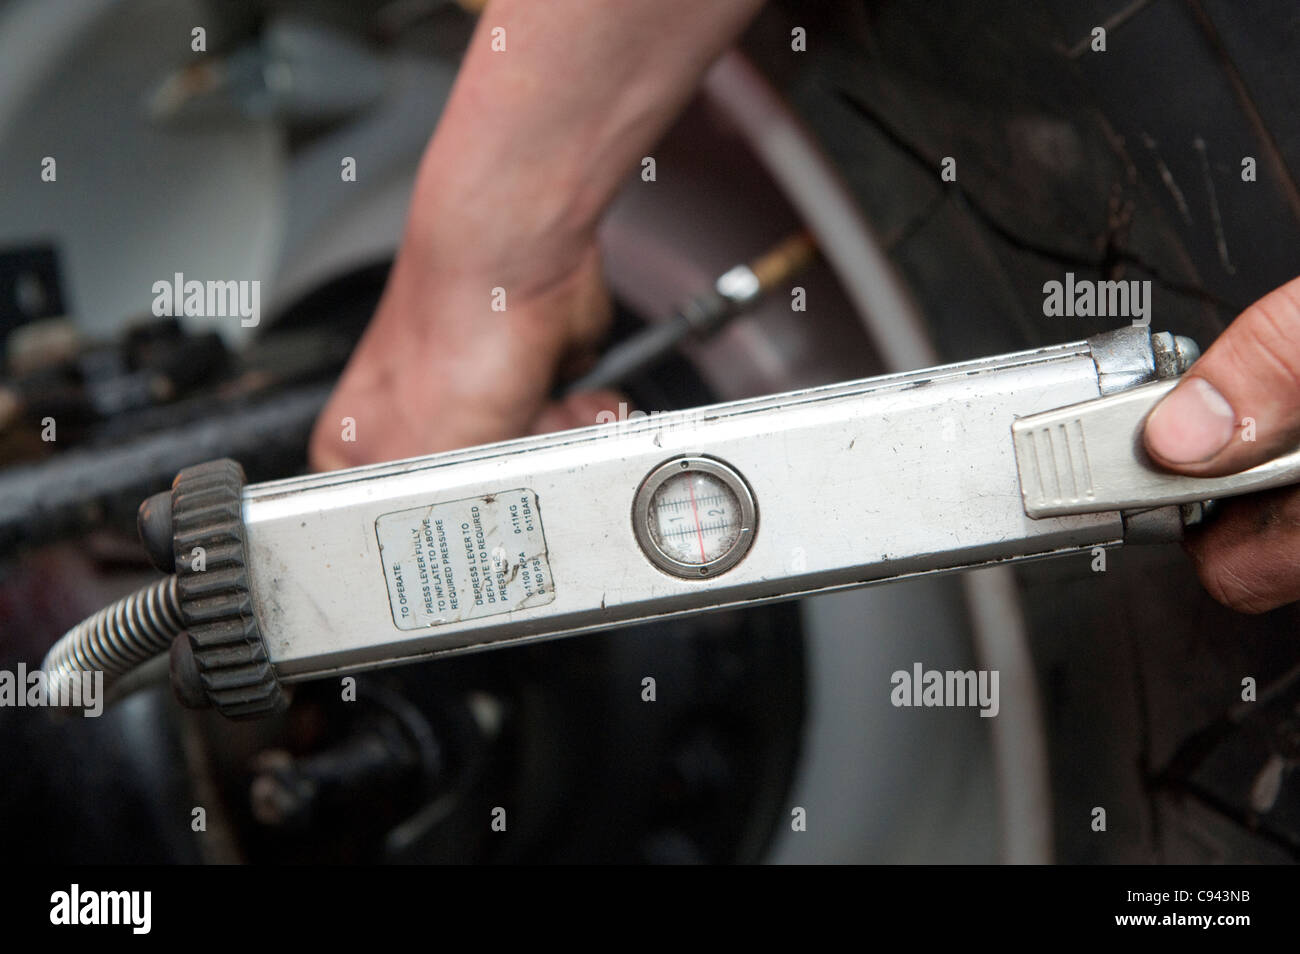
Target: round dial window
{"points": [[694, 516]]}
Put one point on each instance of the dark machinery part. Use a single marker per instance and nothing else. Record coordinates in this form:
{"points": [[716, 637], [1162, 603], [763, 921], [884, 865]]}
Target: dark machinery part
{"points": [[80, 488], [116, 443], [390, 756]]}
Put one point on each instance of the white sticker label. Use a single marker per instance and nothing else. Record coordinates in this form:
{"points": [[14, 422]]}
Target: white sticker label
{"points": [[466, 558]]}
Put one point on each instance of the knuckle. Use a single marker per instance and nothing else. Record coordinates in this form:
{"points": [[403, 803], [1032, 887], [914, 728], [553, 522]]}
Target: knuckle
{"points": [[1270, 332], [1224, 581]]}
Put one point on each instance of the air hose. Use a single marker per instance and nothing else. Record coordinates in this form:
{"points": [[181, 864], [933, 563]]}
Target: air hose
{"points": [[119, 637], [197, 531]]}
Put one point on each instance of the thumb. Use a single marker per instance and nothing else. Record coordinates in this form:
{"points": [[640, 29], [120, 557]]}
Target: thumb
{"points": [[1239, 405]]}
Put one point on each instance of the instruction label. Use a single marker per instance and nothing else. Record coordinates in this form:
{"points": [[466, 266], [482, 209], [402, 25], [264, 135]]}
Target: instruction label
{"points": [[466, 558]]}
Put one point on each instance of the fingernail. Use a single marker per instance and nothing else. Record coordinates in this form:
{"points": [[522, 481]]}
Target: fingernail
{"points": [[1192, 424]]}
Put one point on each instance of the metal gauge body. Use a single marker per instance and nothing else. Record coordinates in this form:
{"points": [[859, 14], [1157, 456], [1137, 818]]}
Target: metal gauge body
{"points": [[404, 557], [694, 517]]}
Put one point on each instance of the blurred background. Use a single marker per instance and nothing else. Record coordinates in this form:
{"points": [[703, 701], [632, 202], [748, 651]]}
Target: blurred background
{"points": [[1123, 164]]}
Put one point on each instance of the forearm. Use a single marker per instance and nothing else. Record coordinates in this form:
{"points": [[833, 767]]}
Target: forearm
{"points": [[530, 150], [536, 138]]}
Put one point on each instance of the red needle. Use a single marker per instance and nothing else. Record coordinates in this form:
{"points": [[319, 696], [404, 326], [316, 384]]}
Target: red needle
{"points": [[690, 486]]}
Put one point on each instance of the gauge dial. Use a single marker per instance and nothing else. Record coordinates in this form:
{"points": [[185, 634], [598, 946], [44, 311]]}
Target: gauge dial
{"points": [[694, 516]]}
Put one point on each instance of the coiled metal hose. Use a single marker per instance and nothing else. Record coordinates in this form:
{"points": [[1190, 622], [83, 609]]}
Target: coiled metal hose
{"points": [[119, 637]]}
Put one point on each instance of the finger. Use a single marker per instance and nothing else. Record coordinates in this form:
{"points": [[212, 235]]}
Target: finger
{"points": [[1248, 557], [1239, 405], [326, 449], [583, 409]]}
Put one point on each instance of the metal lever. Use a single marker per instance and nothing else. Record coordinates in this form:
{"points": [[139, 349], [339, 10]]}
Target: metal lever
{"points": [[1089, 458]]}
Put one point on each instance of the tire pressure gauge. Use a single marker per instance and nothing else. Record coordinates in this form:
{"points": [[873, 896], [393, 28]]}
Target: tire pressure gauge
{"points": [[448, 554], [694, 517]]}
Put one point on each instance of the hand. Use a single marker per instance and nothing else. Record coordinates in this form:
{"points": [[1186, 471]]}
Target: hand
{"points": [[438, 368], [1238, 406], [526, 157]]}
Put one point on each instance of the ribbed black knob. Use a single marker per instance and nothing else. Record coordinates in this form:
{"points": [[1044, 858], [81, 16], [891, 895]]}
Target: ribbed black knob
{"points": [[230, 658]]}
